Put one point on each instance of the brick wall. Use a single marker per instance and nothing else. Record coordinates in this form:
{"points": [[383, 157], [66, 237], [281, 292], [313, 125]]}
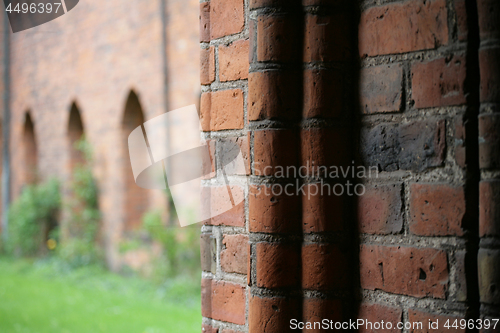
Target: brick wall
{"points": [[407, 87], [95, 56]]}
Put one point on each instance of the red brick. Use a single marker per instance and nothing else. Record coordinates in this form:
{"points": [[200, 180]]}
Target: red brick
{"points": [[322, 210], [267, 3], [207, 69], [234, 257], [315, 310], [418, 272], [277, 38], [223, 110], [489, 208], [327, 38], [462, 25], [205, 109], [488, 18], [323, 93], [209, 163], [439, 82], [403, 27], [214, 200], [272, 315], [380, 210], [489, 68], [417, 316], [209, 329], [489, 141], [324, 147], [226, 152], [375, 313], [223, 301], [233, 61], [274, 152], [273, 95], [277, 265], [272, 213], [324, 267], [381, 88], [226, 17], [460, 136], [205, 22], [437, 210]]}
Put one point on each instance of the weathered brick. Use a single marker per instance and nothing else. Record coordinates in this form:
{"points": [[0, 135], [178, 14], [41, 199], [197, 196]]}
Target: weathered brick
{"points": [[418, 316], [205, 328], [439, 82], [375, 313], [489, 275], [222, 110], [324, 147], [489, 68], [226, 17], [277, 265], [322, 210], [315, 310], [380, 210], [207, 68], [489, 208], [437, 209], [418, 272], [277, 38], [275, 151], [327, 38], [223, 301], [229, 149], [208, 253], [461, 274], [462, 25], [411, 25], [324, 267], [381, 88], [233, 61], [209, 163], [205, 22], [489, 19], [323, 93], [412, 146], [489, 141], [460, 136], [252, 30], [234, 257], [215, 203], [272, 315], [272, 213], [273, 95]]}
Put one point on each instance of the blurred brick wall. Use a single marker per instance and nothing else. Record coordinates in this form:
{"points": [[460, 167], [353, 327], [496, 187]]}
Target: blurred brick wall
{"points": [[95, 55], [406, 86]]}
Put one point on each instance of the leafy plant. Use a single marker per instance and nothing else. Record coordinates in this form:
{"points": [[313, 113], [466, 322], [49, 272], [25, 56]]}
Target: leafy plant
{"points": [[82, 215], [32, 216]]}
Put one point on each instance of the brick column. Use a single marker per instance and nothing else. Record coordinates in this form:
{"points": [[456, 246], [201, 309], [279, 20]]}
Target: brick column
{"points": [[489, 158]]}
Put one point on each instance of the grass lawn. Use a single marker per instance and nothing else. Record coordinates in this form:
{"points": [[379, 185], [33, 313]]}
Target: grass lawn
{"points": [[43, 296]]}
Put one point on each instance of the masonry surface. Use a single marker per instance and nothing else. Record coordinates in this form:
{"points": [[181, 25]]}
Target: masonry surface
{"points": [[408, 87]]}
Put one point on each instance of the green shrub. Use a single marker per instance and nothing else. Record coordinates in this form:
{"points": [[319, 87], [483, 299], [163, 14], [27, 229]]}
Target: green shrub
{"points": [[31, 217], [181, 251], [82, 217]]}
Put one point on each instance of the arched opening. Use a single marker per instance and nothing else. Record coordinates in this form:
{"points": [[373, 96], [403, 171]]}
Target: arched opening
{"points": [[75, 133], [135, 198], [30, 151]]}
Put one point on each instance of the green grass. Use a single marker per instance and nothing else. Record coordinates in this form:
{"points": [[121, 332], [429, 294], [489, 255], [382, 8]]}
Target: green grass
{"points": [[46, 296]]}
